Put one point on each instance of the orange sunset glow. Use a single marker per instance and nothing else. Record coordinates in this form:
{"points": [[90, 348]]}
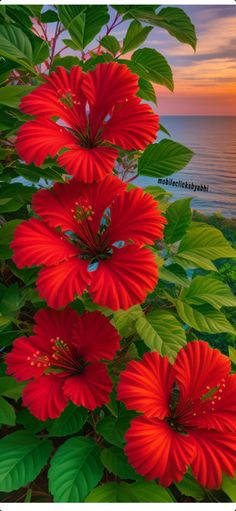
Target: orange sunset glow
{"points": [[205, 81]]}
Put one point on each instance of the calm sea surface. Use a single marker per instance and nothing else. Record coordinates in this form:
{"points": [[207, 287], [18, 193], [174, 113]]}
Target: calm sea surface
{"points": [[213, 140]]}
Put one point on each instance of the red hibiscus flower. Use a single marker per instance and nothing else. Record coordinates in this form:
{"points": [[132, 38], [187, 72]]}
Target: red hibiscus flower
{"points": [[96, 113], [99, 246], [62, 360], [189, 415]]}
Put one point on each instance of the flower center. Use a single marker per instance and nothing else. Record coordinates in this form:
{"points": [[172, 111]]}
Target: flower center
{"points": [[173, 423], [68, 98], [66, 357], [181, 415], [94, 244], [86, 139], [63, 359]]}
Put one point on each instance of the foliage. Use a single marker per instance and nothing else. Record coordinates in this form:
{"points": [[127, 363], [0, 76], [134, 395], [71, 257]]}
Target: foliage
{"points": [[82, 452]]}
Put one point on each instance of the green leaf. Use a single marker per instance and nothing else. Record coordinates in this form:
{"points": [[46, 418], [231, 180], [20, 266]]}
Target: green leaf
{"points": [[7, 413], [113, 429], [30, 422], [163, 159], [14, 45], [124, 320], [190, 487], [135, 35], [131, 11], [67, 62], [6, 236], [178, 217], [157, 192], [70, 421], [11, 300], [6, 121], [75, 470], [19, 195], [4, 321], [115, 461], [98, 59], [177, 23], [12, 94], [68, 12], [49, 16], [205, 241], [9, 387], [173, 274], [203, 318], [22, 457], [165, 130], [33, 174], [40, 50], [71, 44], [194, 261], [229, 487], [86, 25], [151, 492], [152, 66], [211, 290], [161, 332], [20, 15], [232, 354], [110, 43], [7, 334], [146, 90], [34, 10], [124, 492]]}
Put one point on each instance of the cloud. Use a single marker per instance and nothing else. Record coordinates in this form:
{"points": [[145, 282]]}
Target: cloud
{"points": [[217, 37]]}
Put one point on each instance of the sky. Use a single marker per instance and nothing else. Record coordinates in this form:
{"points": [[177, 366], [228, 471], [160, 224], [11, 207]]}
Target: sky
{"points": [[205, 81]]}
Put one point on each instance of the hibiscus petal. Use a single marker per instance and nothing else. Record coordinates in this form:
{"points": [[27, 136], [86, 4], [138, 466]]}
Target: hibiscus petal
{"points": [[133, 125], [60, 284], [20, 360], [95, 337], [88, 165], [145, 386], [47, 100], [35, 243], [44, 397], [134, 216], [157, 451], [124, 279], [219, 411], [63, 81], [215, 454], [44, 102], [199, 368], [108, 84], [91, 388], [40, 138], [56, 206], [50, 324]]}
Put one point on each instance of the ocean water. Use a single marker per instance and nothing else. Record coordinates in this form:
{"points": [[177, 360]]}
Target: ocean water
{"points": [[213, 140]]}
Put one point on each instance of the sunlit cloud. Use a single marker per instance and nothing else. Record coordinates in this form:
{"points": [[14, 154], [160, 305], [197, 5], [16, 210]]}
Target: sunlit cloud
{"points": [[217, 37]]}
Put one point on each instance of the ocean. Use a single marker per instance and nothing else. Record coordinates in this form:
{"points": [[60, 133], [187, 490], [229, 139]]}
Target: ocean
{"points": [[213, 140]]}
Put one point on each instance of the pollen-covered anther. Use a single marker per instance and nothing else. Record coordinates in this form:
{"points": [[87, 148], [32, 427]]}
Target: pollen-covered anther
{"points": [[84, 211], [38, 360]]}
